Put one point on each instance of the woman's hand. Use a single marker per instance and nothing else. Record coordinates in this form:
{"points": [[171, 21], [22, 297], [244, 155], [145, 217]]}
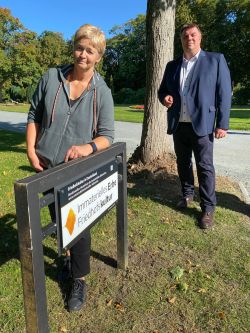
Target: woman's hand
{"points": [[34, 161], [78, 151], [31, 137]]}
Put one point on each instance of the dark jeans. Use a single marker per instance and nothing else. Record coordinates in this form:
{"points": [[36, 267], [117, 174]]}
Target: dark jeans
{"points": [[79, 253], [186, 142]]}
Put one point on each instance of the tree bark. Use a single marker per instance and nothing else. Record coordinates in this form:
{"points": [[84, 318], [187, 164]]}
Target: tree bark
{"points": [[160, 28]]}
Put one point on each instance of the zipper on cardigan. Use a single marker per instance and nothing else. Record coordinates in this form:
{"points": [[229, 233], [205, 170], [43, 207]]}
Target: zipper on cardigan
{"points": [[63, 132]]}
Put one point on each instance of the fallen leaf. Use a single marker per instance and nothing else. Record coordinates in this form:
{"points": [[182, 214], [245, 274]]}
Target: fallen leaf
{"points": [[171, 300], [109, 302], [221, 315], [119, 306], [202, 290], [63, 329], [4, 173], [164, 220]]}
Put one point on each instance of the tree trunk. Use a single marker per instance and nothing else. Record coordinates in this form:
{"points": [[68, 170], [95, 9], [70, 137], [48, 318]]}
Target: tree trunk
{"points": [[160, 27]]}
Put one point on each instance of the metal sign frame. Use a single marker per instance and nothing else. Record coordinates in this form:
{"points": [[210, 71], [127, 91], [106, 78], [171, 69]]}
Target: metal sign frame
{"points": [[31, 234]]}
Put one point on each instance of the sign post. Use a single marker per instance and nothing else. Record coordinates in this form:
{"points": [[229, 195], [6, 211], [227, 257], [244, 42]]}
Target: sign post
{"points": [[83, 190]]}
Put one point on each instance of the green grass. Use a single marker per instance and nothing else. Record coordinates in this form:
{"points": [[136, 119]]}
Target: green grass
{"points": [[23, 108], [145, 298], [239, 120], [124, 113]]}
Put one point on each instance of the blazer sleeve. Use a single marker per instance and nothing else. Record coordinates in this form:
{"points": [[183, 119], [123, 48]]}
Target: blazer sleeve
{"points": [[163, 90], [223, 94]]}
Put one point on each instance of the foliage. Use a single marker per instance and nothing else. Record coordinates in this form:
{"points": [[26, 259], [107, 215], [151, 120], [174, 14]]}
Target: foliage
{"points": [[24, 56], [53, 50], [128, 95], [241, 94], [124, 60]]}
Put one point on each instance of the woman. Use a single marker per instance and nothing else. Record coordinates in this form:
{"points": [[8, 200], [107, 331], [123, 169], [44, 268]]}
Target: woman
{"points": [[71, 116]]}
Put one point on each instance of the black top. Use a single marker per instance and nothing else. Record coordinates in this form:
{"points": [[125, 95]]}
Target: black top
{"points": [[73, 101]]}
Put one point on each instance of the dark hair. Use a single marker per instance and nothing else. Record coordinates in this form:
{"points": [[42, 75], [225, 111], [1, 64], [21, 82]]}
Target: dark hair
{"points": [[189, 26]]}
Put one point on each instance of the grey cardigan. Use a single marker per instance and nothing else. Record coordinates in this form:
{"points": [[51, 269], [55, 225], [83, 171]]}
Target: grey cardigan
{"points": [[62, 125]]}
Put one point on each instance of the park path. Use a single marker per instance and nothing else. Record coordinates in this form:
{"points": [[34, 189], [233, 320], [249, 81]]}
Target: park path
{"points": [[231, 154]]}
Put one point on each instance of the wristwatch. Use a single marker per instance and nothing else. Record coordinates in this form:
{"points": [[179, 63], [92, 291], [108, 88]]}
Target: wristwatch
{"points": [[93, 145]]}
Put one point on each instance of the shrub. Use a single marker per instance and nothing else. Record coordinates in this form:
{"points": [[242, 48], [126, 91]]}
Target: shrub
{"points": [[17, 93], [129, 96], [241, 94]]}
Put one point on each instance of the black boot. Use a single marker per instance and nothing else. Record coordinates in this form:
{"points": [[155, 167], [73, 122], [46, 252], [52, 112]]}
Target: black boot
{"points": [[77, 296]]}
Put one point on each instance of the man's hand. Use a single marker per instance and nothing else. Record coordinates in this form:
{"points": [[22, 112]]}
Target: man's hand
{"points": [[78, 151], [220, 133], [168, 101]]}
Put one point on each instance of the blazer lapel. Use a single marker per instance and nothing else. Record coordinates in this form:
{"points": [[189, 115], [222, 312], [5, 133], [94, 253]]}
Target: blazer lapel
{"points": [[197, 67], [177, 73]]}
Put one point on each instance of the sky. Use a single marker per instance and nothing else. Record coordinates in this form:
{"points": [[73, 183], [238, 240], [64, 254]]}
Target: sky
{"points": [[66, 16]]}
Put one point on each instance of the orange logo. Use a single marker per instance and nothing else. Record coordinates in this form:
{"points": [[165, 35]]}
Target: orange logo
{"points": [[71, 220]]}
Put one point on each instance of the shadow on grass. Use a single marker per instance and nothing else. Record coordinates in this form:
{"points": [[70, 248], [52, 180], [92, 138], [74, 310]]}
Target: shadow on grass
{"points": [[59, 272], [12, 141], [26, 168], [166, 191], [9, 239], [105, 259]]}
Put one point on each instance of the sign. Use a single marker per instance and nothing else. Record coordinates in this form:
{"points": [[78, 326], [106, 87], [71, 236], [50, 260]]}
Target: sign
{"points": [[81, 202]]}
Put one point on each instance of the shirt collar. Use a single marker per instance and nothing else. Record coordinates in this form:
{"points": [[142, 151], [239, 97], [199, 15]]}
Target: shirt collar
{"points": [[194, 58]]}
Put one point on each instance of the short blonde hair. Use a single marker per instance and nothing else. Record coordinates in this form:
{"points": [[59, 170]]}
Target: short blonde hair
{"points": [[94, 34]]}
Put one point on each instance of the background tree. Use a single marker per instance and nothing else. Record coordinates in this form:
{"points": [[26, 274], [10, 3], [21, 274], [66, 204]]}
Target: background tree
{"points": [[9, 26], [53, 50], [160, 27], [25, 68], [24, 56], [124, 60]]}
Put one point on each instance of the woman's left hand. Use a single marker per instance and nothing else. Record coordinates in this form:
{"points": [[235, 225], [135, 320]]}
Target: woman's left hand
{"points": [[78, 151]]}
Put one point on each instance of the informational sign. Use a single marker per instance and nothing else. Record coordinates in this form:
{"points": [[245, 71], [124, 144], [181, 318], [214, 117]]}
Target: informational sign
{"points": [[81, 202]]}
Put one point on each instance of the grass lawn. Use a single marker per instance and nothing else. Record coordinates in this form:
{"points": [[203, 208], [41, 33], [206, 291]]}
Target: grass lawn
{"points": [[179, 278], [239, 120]]}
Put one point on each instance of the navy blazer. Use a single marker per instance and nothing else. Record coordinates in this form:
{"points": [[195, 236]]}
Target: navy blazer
{"points": [[208, 96]]}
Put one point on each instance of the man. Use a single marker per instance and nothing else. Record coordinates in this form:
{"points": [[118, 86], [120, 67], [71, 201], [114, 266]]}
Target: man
{"points": [[196, 89]]}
